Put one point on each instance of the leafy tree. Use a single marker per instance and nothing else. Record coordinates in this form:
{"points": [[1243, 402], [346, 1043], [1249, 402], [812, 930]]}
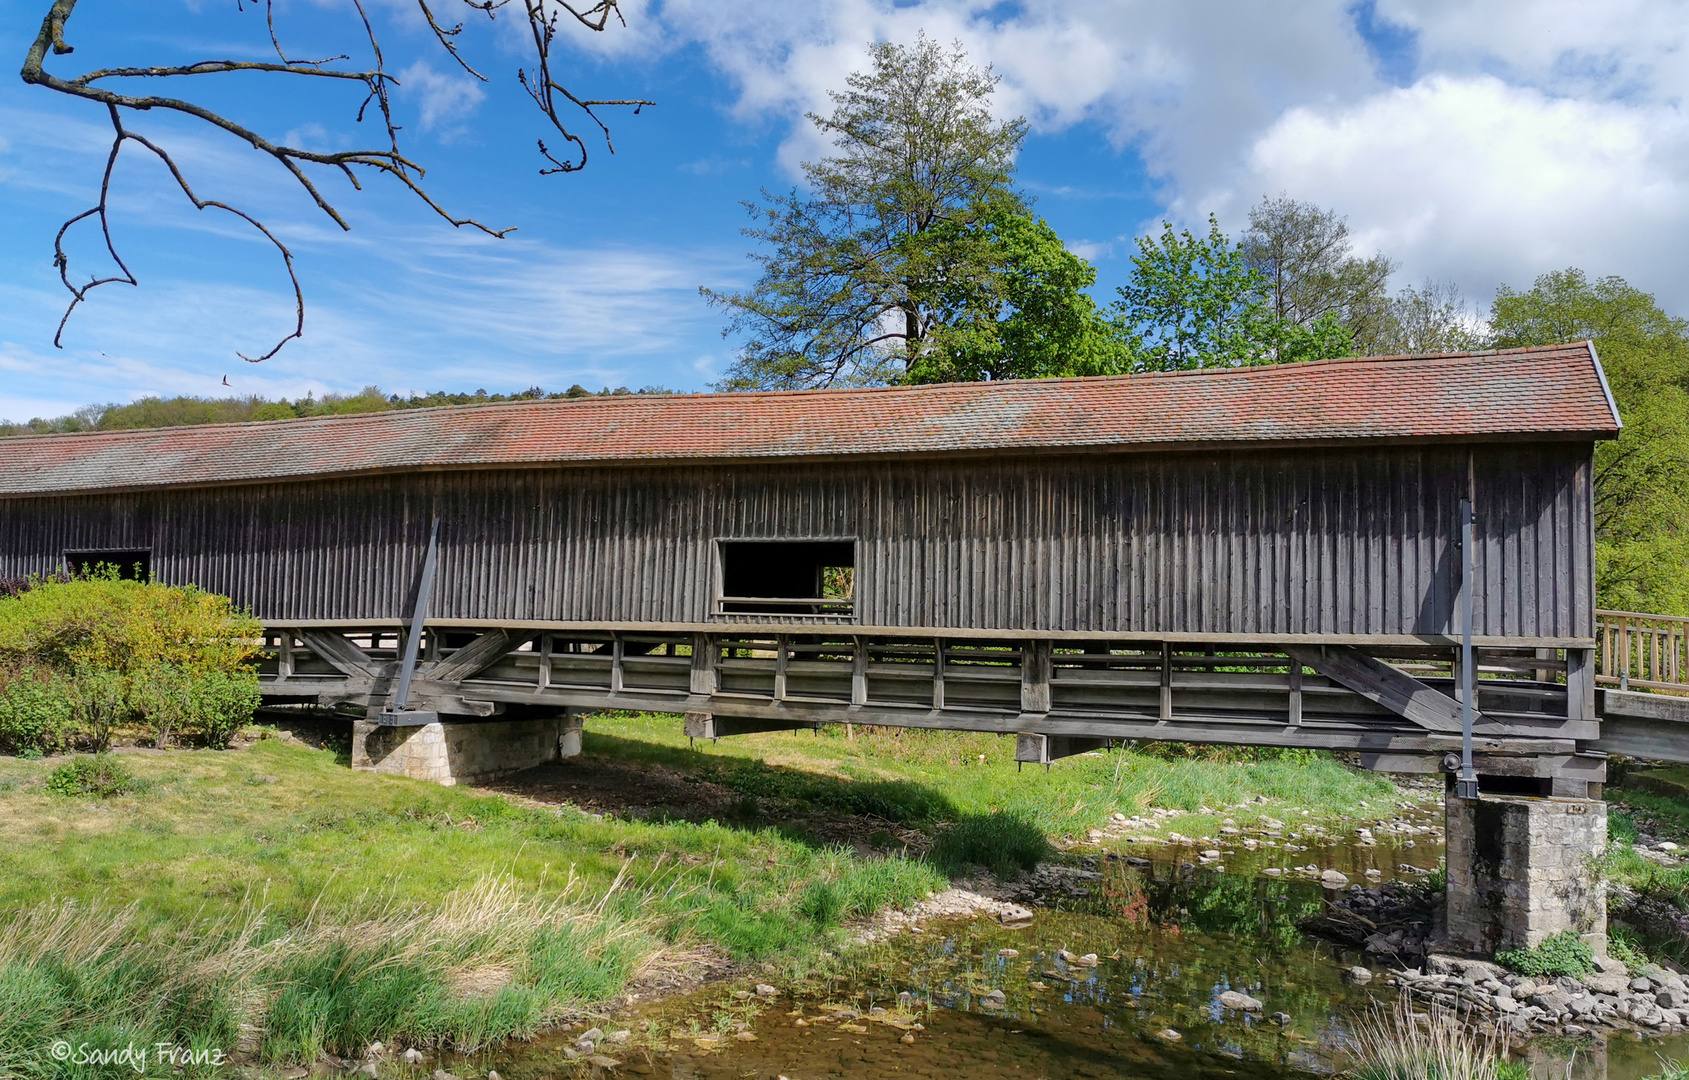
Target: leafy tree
{"points": [[1305, 255], [1023, 313], [1191, 302], [156, 412], [1430, 319], [1197, 302], [862, 275], [1642, 478]]}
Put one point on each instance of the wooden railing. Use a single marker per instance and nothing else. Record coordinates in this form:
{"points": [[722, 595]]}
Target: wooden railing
{"points": [[1201, 688], [1645, 652]]}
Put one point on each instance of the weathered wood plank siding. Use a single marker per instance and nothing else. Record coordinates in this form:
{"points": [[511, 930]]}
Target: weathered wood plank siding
{"points": [[1338, 540]]}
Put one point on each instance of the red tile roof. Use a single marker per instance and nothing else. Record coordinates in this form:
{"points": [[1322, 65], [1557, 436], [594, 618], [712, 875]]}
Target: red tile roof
{"points": [[1554, 391]]}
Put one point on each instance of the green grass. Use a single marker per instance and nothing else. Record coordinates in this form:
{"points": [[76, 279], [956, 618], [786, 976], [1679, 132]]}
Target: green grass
{"points": [[1003, 843], [918, 778], [1670, 1069], [273, 890], [1392, 1044], [338, 907], [1670, 815], [1666, 817], [1630, 811]]}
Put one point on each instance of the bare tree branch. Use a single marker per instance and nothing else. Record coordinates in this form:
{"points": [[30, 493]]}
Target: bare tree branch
{"points": [[101, 210], [377, 83]]}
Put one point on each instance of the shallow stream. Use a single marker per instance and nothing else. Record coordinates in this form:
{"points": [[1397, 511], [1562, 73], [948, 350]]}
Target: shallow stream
{"points": [[1169, 938]]}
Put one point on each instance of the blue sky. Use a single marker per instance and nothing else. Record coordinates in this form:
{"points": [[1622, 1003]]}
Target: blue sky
{"points": [[1477, 143]]}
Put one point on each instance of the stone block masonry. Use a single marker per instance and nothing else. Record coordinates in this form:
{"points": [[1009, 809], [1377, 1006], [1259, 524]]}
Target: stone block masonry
{"points": [[1523, 869], [453, 752]]}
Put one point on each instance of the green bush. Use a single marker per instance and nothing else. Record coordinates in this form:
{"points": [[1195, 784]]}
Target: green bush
{"points": [[99, 700], [99, 775], [1001, 842], [1563, 954], [35, 713], [210, 706], [130, 627], [224, 702], [81, 656]]}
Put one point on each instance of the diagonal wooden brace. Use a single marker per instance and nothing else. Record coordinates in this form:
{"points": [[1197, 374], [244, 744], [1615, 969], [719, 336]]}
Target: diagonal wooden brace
{"points": [[1382, 684], [474, 657], [345, 656]]}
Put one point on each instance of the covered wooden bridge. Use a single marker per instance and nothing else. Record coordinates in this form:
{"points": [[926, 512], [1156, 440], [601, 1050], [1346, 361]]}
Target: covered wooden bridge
{"points": [[1267, 556]]}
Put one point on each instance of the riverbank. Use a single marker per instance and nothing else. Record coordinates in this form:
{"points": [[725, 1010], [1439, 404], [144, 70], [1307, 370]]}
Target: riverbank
{"points": [[268, 903]]}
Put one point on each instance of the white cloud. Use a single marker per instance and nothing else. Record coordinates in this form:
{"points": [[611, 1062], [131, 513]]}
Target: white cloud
{"points": [[445, 98], [1539, 133], [713, 165], [1182, 82], [1473, 180], [1623, 48], [1091, 250]]}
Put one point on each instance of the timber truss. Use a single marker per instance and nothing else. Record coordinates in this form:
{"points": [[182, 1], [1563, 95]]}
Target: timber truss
{"points": [[1392, 700]]}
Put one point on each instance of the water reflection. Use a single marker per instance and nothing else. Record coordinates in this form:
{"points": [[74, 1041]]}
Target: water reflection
{"points": [[1122, 981]]}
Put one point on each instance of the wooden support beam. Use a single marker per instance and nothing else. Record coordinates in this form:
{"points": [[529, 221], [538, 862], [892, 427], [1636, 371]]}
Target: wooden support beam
{"points": [[324, 691], [407, 718], [1569, 775], [1036, 749], [1350, 700], [345, 656], [1295, 692], [1035, 671], [783, 650], [1643, 725], [938, 673], [475, 657], [859, 672], [1122, 638], [706, 664], [1580, 684], [1166, 681], [454, 699], [1382, 684], [703, 725]]}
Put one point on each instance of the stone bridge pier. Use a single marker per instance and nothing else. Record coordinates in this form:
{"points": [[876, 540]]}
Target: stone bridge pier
{"points": [[1523, 868], [452, 750]]}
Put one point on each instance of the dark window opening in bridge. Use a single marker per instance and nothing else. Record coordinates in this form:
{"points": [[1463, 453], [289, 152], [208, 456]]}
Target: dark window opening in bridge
{"points": [[129, 564], [788, 577]]}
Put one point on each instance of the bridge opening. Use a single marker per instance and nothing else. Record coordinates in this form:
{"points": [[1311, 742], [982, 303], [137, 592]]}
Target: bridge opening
{"points": [[131, 564], [788, 577]]}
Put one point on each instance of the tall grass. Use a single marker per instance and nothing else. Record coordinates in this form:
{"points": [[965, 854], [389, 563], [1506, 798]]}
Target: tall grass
{"points": [[1395, 1044], [852, 888], [1670, 1069], [490, 961], [1003, 843]]}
